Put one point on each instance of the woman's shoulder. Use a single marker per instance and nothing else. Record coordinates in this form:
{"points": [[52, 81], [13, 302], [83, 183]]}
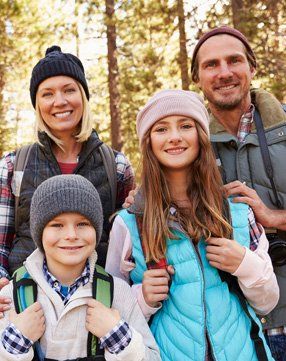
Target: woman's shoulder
{"points": [[7, 164]]}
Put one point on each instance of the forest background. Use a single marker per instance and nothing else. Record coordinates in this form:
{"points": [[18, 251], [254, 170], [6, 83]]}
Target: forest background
{"points": [[130, 49]]}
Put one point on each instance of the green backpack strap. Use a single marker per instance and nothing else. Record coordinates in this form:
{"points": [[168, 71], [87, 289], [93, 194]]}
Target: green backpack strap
{"points": [[24, 289], [25, 293], [108, 159], [102, 291]]}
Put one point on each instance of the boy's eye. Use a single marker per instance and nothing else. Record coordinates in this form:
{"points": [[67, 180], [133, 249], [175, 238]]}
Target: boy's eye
{"points": [[56, 225], [84, 224]]}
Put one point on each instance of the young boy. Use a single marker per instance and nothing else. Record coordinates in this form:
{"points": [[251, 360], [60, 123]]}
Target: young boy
{"points": [[66, 221]]}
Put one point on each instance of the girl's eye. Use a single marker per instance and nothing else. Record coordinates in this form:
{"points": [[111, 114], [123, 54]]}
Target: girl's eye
{"points": [[187, 126], [160, 129]]}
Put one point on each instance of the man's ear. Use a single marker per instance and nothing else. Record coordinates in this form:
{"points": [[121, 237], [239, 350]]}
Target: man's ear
{"points": [[252, 71]]}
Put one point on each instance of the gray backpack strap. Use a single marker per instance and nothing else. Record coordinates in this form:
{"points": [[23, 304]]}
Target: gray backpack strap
{"points": [[21, 159], [108, 159]]}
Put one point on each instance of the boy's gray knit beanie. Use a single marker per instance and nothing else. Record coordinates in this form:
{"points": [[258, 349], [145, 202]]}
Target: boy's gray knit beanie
{"points": [[62, 194]]}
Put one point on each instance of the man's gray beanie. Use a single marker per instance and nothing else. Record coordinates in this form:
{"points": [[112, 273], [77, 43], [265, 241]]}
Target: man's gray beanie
{"points": [[62, 194]]}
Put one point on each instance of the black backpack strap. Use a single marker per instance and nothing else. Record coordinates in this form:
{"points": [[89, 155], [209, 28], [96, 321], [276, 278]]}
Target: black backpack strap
{"points": [[266, 156], [102, 291], [21, 159], [108, 159], [254, 330], [233, 286]]}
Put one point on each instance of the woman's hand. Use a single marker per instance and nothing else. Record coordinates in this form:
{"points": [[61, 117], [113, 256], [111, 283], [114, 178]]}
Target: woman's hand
{"points": [[224, 254], [129, 200], [155, 285], [31, 322], [100, 319]]}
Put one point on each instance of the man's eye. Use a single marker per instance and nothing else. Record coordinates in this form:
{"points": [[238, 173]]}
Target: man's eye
{"points": [[211, 64], [234, 60]]}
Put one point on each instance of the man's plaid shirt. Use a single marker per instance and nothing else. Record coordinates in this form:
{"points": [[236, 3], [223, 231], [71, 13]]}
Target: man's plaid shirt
{"points": [[125, 182]]}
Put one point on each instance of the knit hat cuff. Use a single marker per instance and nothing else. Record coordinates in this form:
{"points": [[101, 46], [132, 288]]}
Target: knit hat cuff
{"points": [[178, 104]]}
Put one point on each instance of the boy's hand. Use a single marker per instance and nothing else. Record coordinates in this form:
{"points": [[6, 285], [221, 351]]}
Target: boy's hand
{"points": [[30, 322], [4, 301], [155, 285], [224, 254], [100, 319]]}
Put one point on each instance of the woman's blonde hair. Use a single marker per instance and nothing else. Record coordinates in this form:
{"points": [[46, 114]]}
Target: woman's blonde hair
{"points": [[203, 218], [86, 123]]}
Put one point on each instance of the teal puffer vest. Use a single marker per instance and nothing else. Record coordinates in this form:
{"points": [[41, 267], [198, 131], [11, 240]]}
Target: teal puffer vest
{"points": [[199, 303]]}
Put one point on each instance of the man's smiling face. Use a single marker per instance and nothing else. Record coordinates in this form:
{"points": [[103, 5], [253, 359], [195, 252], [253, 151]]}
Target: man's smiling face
{"points": [[224, 72]]}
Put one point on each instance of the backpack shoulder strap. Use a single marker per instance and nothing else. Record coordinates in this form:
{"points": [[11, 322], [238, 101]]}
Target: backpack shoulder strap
{"points": [[24, 289], [284, 107], [108, 159], [233, 286], [102, 291], [21, 159]]}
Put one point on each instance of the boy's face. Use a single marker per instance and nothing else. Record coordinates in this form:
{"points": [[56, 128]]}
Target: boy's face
{"points": [[68, 240]]}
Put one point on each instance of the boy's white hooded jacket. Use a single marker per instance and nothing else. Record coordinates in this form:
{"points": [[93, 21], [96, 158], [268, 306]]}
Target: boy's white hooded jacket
{"points": [[65, 336]]}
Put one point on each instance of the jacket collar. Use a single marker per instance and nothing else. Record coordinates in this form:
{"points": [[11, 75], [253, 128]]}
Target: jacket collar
{"points": [[268, 106]]}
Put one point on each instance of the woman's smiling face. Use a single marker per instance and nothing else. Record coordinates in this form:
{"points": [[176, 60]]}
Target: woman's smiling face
{"points": [[60, 103]]}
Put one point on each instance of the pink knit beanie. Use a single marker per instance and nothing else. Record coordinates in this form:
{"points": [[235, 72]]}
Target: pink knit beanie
{"points": [[172, 102]]}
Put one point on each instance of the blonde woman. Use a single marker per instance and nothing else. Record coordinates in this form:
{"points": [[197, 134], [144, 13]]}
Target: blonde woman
{"points": [[66, 144]]}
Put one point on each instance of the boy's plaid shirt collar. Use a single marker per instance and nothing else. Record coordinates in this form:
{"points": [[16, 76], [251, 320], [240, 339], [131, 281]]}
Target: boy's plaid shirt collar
{"points": [[66, 292]]}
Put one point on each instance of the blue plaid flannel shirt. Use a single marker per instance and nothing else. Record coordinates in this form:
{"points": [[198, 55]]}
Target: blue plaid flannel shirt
{"points": [[115, 341]]}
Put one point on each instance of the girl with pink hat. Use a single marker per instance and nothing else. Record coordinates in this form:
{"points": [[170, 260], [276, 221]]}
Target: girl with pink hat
{"points": [[197, 261]]}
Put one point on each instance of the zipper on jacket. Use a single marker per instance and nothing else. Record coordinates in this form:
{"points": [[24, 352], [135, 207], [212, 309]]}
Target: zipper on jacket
{"points": [[198, 256]]}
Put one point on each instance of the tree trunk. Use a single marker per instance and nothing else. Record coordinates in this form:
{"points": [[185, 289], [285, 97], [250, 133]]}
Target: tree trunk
{"points": [[183, 56], [113, 77], [237, 15]]}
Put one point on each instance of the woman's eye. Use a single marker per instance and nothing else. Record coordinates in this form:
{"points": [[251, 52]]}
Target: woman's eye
{"points": [[70, 90], [47, 94]]}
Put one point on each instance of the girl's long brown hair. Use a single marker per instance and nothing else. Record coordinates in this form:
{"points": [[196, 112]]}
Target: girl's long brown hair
{"points": [[204, 217]]}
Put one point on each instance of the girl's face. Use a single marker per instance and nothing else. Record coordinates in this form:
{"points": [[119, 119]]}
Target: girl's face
{"points": [[175, 142], [68, 240], [60, 104]]}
